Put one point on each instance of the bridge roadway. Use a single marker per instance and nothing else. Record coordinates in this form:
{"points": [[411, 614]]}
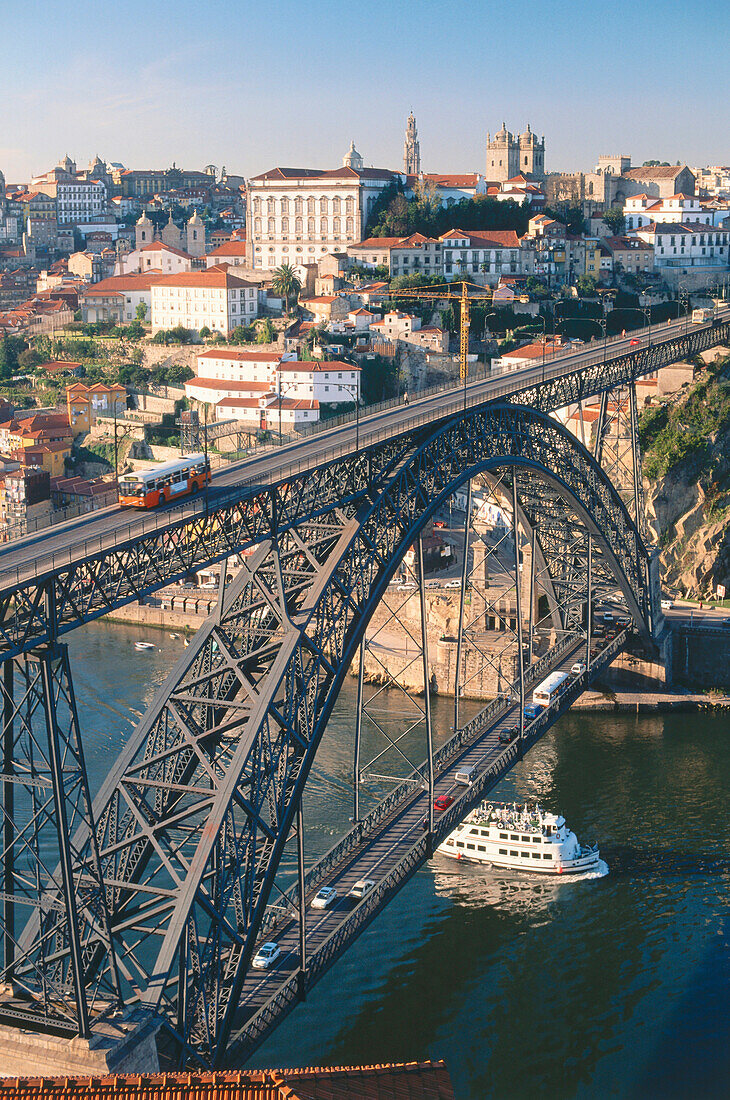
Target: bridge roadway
{"points": [[393, 848], [77, 539]]}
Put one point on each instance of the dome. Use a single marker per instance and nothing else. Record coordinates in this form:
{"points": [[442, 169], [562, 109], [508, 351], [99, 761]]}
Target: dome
{"points": [[144, 220], [196, 219]]}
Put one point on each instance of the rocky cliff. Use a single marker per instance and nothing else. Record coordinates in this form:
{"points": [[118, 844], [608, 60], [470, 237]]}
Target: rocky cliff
{"points": [[686, 466]]}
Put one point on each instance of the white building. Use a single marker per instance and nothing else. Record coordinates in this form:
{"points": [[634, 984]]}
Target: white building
{"points": [[226, 375], [78, 200], [466, 253], [329, 382], [414, 255], [117, 298], [155, 256], [640, 210], [687, 246], [297, 215], [396, 325], [232, 252], [215, 299]]}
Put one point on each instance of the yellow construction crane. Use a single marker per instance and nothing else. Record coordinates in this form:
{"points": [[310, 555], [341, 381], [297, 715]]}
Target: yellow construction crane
{"points": [[464, 297]]}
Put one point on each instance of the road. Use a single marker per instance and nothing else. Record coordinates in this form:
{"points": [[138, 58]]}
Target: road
{"points": [[684, 614], [377, 855], [59, 545]]}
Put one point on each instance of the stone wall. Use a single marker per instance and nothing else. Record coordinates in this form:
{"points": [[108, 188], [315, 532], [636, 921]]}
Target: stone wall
{"points": [[700, 656]]}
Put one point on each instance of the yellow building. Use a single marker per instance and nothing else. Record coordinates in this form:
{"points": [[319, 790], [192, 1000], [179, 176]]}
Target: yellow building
{"points": [[86, 403]]}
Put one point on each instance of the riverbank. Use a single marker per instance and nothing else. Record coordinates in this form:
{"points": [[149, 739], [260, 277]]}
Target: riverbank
{"points": [[649, 702]]}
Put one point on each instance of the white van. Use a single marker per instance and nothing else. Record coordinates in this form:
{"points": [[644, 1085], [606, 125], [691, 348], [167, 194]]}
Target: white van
{"points": [[466, 775]]}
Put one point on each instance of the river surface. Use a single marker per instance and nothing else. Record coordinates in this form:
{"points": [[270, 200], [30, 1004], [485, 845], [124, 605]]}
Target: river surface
{"points": [[615, 987]]}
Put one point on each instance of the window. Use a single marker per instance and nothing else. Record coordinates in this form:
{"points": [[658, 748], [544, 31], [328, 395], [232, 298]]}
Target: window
{"points": [[285, 227], [323, 206], [512, 853], [481, 847], [513, 837], [525, 855], [503, 851], [460, 844], [470, 847], [310, 206], [502, 836], [526, 839], [547, 855], [310, 227], [535, 855]]}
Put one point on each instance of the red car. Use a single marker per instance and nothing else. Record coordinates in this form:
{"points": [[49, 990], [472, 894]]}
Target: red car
{"points": [[439, 523], [442, 803], [634, 342]]}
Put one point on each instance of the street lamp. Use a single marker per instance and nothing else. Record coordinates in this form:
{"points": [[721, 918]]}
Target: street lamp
{"points": [[288, 386], [353, 389]]}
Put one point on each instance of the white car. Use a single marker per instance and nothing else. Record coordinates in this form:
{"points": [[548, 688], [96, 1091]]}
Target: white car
{"points": [[409, 586], [667, 605], [361, 889], [578, 668], [324, 898], [266, 955], [452, 584]]}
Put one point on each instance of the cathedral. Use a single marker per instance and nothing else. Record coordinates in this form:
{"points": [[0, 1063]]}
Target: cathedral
{"points": [[511, 155]]}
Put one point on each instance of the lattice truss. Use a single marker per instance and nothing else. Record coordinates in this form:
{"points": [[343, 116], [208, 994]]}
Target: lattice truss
{"points": [[192, 821], [61, 962]]}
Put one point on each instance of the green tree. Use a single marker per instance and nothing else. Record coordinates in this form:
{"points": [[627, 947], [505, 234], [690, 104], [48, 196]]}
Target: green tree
{"points": [[615, 220], [287, 285], [586, 286], [205, 332], [265, 332], [141, 312], [8, 358]]}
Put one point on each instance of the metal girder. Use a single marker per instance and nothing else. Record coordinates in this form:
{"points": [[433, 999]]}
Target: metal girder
{"points": [[63, 966], [94, 577], [192, 821]]}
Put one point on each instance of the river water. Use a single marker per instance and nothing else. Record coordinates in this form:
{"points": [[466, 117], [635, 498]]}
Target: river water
{"points": [[610, 987]]}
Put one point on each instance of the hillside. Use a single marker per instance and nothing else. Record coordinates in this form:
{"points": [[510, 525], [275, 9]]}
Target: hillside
{"points": [[686, 465]]}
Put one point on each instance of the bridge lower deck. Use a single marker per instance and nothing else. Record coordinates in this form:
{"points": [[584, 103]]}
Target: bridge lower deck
{"points": [[391, 844]]}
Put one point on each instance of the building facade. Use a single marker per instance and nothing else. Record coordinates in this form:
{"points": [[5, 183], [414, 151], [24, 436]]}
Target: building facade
{"points": [[213, 299], [298, 215]]}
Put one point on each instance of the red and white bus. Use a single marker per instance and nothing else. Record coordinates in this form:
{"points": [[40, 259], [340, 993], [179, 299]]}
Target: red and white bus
{"points": [[168, 481]]}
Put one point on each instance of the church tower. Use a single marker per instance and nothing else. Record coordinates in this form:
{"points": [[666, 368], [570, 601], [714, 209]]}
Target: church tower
{"points": [[195, 232], [412, 149], [532, 155], [352, 159], [171, 235], [143, 232]]}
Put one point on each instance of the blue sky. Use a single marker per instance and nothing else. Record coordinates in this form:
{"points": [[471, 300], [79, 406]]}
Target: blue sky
{"points": [[251, 85]]}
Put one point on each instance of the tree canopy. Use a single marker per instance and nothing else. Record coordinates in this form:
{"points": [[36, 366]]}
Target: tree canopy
{"points": [[400, 216]]}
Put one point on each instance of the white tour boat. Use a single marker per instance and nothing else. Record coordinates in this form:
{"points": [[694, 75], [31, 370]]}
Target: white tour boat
{"points": [[522, 838], [143, 645]]}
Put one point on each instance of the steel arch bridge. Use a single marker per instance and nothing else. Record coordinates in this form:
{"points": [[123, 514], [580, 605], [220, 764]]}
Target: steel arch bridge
{"points": [[161, 892]]}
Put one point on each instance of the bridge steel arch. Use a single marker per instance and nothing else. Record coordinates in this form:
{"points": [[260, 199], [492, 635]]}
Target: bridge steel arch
{"points": [[192, 821]]}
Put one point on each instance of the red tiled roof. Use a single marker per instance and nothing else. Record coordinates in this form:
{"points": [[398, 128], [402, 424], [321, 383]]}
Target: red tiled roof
{"points": [[241, 356], [409, 1081], [494, 238], [228, 384], [120, 284], [160, 246], [230, 248], [218, 277]]}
